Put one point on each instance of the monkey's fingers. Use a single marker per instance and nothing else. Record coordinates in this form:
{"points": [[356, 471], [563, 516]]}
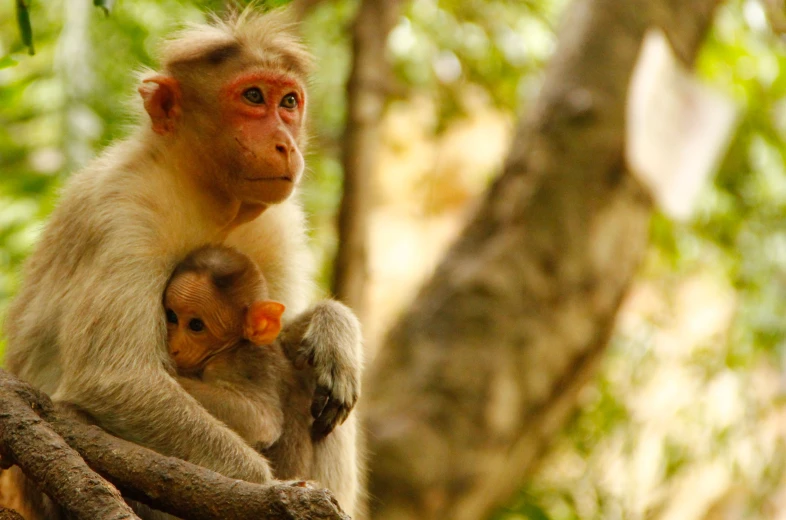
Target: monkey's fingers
{"points": [[324, 424], [343, 413], [305, 357], [332, 414], [321, 398]]}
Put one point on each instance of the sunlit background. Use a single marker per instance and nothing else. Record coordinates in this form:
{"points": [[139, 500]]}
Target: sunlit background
{"points": [[686, 418]]}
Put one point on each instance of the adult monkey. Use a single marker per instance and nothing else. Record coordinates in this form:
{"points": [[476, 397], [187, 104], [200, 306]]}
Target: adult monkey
{"points": [[218, 164]]}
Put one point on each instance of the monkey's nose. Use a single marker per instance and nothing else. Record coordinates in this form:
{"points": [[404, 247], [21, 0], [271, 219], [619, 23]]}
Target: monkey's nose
{"points": [[284, 149]]}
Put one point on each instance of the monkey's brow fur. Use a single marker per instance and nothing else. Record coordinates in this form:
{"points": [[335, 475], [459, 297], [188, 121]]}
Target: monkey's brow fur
{"points": [[247, 31]]}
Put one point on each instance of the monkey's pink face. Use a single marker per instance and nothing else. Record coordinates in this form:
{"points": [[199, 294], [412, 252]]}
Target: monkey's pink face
{"points": [[264, 114], [200, 324]]}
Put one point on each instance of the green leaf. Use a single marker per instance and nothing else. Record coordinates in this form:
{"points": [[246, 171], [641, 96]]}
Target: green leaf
{"points": [[23, 21], [7, 61], [105, 5]]}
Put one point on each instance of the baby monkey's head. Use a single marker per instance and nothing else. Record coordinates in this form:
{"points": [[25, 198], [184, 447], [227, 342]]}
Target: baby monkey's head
{"points": [[215, 299]]}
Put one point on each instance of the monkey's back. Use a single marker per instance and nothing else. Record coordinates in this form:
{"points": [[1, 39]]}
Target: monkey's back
{"points": [[64, 262]]}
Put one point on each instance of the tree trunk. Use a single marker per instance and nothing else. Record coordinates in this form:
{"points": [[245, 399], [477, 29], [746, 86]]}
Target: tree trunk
{"points": [[367, 90], [486, 365]]}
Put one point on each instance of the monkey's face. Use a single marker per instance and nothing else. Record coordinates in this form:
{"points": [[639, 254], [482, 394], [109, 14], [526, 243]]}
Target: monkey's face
{"points": [[200, 323], [242, 136], [263, 113]]}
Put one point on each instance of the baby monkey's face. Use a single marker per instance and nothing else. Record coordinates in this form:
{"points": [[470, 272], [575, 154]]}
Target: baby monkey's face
{"points": [[201, 322]]}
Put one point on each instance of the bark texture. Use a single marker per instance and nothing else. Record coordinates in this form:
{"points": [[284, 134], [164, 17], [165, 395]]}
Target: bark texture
{"points": [[486, 365], [47, 444], [367, 90], [59, 471]]}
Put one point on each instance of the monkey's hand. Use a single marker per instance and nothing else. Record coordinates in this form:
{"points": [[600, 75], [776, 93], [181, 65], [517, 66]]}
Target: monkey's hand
{"points": [[328, 338]]}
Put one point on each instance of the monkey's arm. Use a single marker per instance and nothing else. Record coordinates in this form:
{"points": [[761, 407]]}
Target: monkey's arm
{"points": [[250, 407], [327, 335], [328, 338], [331, 460]]}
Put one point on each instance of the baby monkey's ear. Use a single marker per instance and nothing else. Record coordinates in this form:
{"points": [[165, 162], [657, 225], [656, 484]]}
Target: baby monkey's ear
{"points": [[263, 322]]}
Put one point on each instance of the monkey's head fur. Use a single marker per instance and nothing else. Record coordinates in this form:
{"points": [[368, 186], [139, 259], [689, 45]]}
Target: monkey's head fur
{"points": [[230, 104]]}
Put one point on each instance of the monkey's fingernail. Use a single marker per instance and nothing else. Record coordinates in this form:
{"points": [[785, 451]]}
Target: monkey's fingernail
{"points": [[342, 415], [328, 417], [321, 398], [318, 432], [321, 429], [317, 407]]}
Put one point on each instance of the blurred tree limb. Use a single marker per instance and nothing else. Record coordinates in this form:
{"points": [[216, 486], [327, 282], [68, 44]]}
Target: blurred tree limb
{"points": [[486, 365], [70, 460], [776, 14], [368, 87]]}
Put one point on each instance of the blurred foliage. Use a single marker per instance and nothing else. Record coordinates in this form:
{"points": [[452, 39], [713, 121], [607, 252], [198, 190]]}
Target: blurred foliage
{"points": [[23, 22], [679, 429], [444, 46], [640, 438]]}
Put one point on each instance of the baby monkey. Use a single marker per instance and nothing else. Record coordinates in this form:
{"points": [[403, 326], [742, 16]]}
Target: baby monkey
{"points": [[221, 336]]}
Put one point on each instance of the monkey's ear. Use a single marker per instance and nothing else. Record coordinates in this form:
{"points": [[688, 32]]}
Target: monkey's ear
{"points": [[263, 322], [161, 95]]}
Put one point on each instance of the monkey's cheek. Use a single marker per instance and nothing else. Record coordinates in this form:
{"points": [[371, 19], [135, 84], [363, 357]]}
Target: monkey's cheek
{"points": [[296, 165]]}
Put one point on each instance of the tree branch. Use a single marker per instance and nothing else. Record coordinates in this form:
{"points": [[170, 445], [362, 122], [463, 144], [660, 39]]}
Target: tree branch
{"points": [[9, 514], [29, 442], [486, 366], [367, 90], [44, 442]]}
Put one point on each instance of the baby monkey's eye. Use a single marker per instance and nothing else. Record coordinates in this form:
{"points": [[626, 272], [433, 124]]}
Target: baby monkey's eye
{"points": [[171, 317], [289, 101], [254, 95], [196, 325]]}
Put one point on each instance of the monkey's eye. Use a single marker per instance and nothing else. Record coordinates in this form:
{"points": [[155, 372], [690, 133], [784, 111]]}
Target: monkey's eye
{"points": [[196, 325], [171, 317], [289, 101], [254, 95]]}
